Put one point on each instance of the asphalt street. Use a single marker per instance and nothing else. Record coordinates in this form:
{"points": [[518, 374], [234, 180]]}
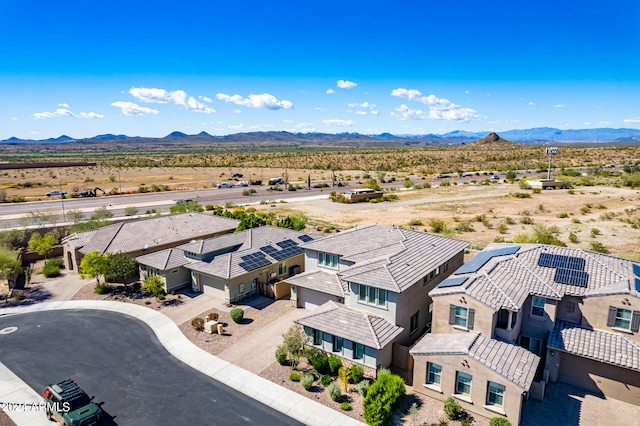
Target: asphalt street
{"points": [[118, 360]]}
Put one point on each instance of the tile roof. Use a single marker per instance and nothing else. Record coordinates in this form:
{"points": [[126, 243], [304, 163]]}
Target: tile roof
{"points": [[164, 259], [360, 327], [514, 363], [506, 281], [126, 237], [323, 282], [386, 257], [610, 348]]}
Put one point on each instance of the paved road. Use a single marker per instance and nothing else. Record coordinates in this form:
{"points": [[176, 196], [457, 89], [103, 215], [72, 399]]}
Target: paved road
{"points": [[120, 361]]}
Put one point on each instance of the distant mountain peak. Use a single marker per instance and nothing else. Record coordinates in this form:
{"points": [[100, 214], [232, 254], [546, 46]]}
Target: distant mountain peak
{"points": [[175, 135]]}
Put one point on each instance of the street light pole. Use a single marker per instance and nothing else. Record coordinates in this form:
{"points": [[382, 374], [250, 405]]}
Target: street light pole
{"points": [[551, 151], [64, 217]]}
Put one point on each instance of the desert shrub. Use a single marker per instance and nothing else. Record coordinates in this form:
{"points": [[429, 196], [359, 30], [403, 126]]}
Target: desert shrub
{"points": [[573, 238], [213, 316], [19, 296], [334, 364], [511, 175], [307, 381], [281, 355], [520, 195], [598, 247], [595, 232], [357, 373], [536, 190], [198, 324], [237, 315], [499, 421], [526, 220], [415, 222], [438, 226], [153, 285], [325, 380], [509, 221], [523, 184], [102, 289], [294, 376], [452, 409], [363, 387], [563, 215], [345, 406], [502, 228], [383, 396], [51, 270], [334, 391], [443, 422], [130, 211], [465, 226], [319, 361]]}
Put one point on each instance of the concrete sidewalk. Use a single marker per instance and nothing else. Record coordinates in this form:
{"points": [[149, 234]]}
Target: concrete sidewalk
{"points": [[279, 398]]}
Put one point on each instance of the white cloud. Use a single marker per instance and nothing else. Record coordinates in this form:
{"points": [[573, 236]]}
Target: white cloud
{"points": [[129, 108], [60, 112], [204, 98], [64, 105], [531, 103], [319, 109], [631, 120], [254, 127], [264, 100], [345, 84], [14, 118], [90, 115], [361, 112], [374, 112], [559, 105], [340, 123], [439, 108], [288, 121], [177, 97], [237, 111], [330, 91], [362, 105]]}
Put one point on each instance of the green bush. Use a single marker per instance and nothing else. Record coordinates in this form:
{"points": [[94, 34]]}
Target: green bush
{"points": [[334, 364], [153, 285], [345, 406], [357, 373], [325, 380], [198, 324], [294, 376], [57, 261], [452, 409], [319, 361], [499, 421], [281, 355], [334, 391], [237, 315], [363, 387], [383, 396], [307, 381], [103, 289], [51, 270]]}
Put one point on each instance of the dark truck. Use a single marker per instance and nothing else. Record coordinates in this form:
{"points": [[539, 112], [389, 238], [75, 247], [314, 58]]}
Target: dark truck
{"points": [[67, 404]]}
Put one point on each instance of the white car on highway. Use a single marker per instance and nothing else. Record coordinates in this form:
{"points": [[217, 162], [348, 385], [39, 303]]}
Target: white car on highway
{"points": [[224, 185]]}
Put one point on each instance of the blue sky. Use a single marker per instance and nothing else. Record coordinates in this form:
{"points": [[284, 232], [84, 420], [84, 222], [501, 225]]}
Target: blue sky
{"points": [[405, 67]]}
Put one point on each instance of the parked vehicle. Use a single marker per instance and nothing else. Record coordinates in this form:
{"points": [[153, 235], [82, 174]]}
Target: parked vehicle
{"points": [[243, 183], [495, 177], [276, 180], [236, 175], [224, 185], [67, 404], [52, 193]]}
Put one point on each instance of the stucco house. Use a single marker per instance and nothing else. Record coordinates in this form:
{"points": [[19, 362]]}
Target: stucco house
{"points": [[367, 288], [231, 266], [578, 312], [144, 236]]}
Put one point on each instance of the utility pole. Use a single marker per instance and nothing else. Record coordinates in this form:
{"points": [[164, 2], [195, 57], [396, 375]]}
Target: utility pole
{"points": [[552, 150], [119, 183], [64, 217]]}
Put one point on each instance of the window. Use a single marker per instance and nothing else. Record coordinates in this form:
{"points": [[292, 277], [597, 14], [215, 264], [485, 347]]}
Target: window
{"points": [[414, 322], [495, 394], [282, 268], [320, 258], [537, 306], [328, 260], [358, 352], [461, 316], [434, 373], [463, 383], [372, 296], [431, 276], [317, 337], [334, 261], [503, 319], [570, 307], [531, 344], [337, 344], [625, 319]]}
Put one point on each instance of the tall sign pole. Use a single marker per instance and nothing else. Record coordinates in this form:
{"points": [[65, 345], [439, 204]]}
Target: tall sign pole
{"points": [[552, 150]]}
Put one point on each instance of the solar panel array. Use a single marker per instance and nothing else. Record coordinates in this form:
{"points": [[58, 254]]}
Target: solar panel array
{"points": [[636, 270], [254, 261], [569, 269], [571, 276], [305, 238], [637, 284], [452, 282], [289, 250], [483, 257]]}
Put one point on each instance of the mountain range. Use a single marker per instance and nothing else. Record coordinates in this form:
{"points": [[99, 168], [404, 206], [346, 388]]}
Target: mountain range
{"points": [[533, 136]]}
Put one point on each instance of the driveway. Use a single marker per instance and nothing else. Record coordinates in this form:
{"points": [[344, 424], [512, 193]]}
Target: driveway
{"points": [[120, 361]]}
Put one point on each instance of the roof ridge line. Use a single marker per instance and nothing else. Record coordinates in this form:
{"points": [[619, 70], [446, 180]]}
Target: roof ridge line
{"points": [[373, 332], [553, 290], [504, 293], [113, 237]]}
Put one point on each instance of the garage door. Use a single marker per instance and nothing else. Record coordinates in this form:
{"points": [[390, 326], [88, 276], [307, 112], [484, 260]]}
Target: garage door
{"points": [[312, 299]]}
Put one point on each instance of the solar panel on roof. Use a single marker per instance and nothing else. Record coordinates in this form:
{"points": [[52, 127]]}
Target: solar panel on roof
{"points": [[545, 259], [287, 244], [637, 284], [571, 277], [305, 238], [452, 282], [483, 257], [636, 270], [253, 261], [560, 261]]}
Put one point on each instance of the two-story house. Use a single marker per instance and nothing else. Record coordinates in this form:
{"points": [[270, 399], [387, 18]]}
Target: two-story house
{"points": [[367, 288], [577, 312], [231, 266]]}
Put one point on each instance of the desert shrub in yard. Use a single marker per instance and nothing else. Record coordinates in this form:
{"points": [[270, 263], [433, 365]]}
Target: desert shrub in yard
{"points": [[344, 374], [198, 324], [307, 381], [502, 228], [153, 285], [334, 391], [51, 270], [319, 361], [294, 376], [383, 396], [598, 247], [363, 387], [345, 406], [415, 222], [520, 195], [499, 421], [281, 355], [18, 297], [573, 238], [102, 289], [357, 373], [452, 408], [325, 380], [438, 226], [237, 315], [334, 364]]}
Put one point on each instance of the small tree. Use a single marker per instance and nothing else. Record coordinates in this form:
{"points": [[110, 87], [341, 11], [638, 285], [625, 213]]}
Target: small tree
{"points": [[383, 396], [452, 408], [499, 421], [154, 285], [10, 266], [295, 341], [344, 374], [189, 206], [93, 265], [335, 363], [357, 373], [42, 244], [119, 267]]}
